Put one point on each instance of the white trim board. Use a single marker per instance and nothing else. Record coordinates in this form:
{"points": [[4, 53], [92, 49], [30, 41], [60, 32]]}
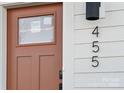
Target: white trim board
{"points": [[68, 45], [23, 4], [3, 54]]}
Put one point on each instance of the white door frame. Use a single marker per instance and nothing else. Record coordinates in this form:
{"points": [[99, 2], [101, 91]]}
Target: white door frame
{"points": [[3, 36], [3, 47]]}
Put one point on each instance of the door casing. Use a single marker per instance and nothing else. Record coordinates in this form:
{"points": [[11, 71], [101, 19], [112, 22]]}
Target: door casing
{"points": [[13, 48], [3, 35]]}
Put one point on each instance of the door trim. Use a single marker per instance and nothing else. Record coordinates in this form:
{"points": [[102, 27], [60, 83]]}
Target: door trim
{"points": [[3, 47], [3, 37]]}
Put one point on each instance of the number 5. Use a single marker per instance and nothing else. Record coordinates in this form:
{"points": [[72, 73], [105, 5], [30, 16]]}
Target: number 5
{"points": [[94, 45], [94, 60]]}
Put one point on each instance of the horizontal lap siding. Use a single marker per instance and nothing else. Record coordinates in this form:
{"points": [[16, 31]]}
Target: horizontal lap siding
{"points": [[107, 34], [98, 80], [111, 19], [106, 50], [80, 7], [110, 72], [106, 65]]}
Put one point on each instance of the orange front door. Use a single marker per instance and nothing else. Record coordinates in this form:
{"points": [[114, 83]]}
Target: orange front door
{"points": [[34, 47]]}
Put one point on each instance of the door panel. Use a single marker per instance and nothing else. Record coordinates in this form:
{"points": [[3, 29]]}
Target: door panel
{"points": [[48, 72], [24, 68], [34, 47]]}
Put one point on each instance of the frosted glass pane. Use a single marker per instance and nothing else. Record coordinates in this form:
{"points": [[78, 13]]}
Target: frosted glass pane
{"points": [[36, 29]]}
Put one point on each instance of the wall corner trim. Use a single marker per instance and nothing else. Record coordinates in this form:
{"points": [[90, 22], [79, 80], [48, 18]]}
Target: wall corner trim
{"points": [[3, 32]]}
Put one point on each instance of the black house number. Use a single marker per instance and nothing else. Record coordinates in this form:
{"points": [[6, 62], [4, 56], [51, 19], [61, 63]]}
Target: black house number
{"points": [[95, 48]]}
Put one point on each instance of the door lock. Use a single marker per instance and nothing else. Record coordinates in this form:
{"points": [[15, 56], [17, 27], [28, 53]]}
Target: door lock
{"points": [[60, 86]]}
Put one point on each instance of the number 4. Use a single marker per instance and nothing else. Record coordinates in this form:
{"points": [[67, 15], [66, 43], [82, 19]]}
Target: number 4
{"points": [[95, 31]]}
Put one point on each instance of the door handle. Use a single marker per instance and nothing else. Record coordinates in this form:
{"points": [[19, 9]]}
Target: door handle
{"points": [[60, 86], [60, 74]]}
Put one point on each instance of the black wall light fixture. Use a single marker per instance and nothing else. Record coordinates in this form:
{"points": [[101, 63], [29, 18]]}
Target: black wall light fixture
{"points": [[92, 10]]}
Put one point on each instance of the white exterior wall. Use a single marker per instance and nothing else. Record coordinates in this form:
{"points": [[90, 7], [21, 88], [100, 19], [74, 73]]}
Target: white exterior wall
{"points": [[78, 38]]}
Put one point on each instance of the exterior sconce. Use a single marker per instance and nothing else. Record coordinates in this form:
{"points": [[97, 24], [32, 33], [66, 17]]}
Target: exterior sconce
{"points": [[92, 10]]}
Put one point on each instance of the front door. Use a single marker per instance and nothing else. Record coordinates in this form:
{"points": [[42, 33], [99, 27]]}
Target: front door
{"points": [[35, 47]]}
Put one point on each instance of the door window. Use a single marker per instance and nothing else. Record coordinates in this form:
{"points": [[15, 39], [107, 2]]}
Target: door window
{"points": [[36, 29]]}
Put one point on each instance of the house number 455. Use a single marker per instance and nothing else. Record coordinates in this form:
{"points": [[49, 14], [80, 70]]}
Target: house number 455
{"points": [[95, 48]]}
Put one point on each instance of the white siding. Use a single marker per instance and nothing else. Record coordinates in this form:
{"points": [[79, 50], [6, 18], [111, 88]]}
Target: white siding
{"points": [[110, 72], [109, 6], [113, 18], [99, 80], [109, 49], [110, 64], [107, 34]]}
